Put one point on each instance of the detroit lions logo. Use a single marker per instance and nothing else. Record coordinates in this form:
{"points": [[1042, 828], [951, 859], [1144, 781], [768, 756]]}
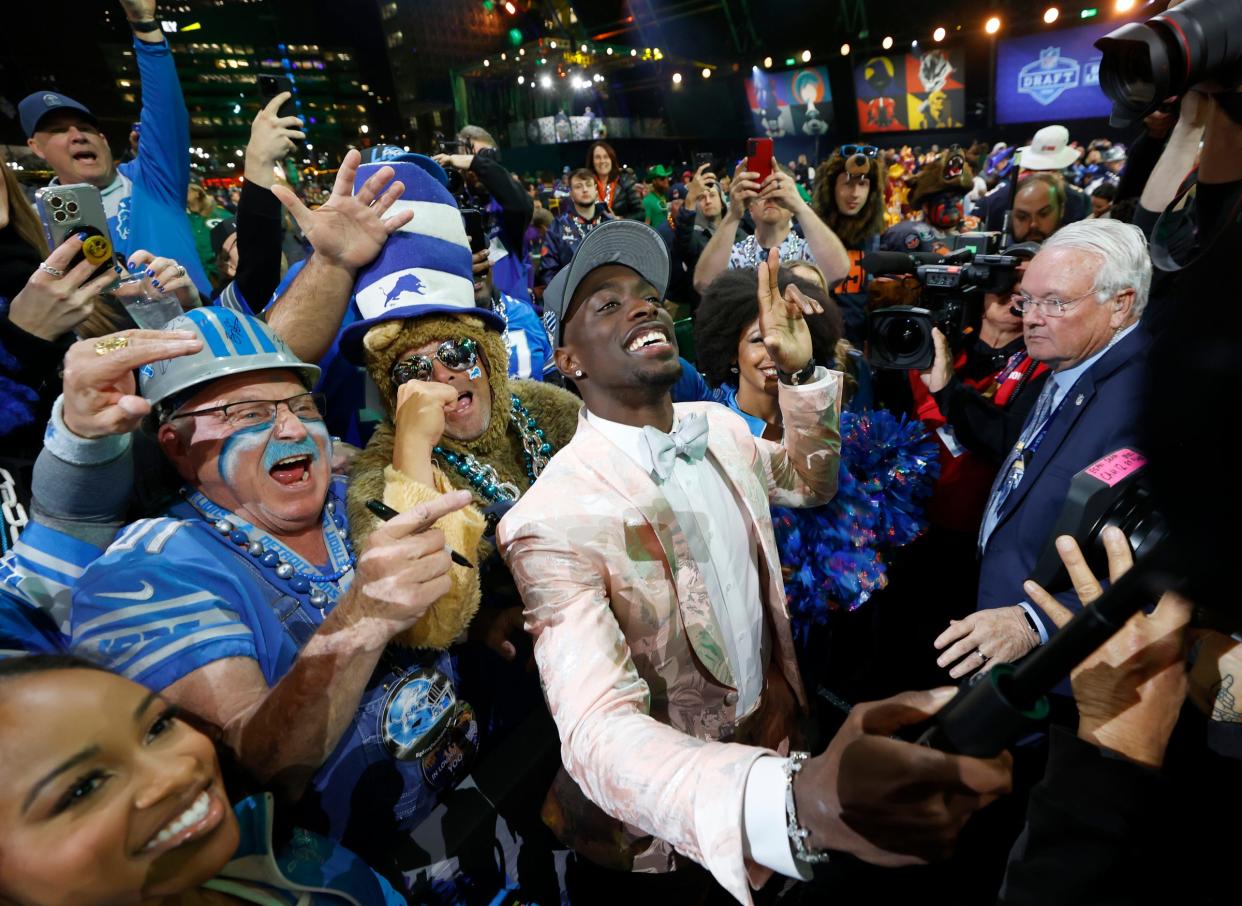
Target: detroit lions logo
{"points": [[406, 283]]}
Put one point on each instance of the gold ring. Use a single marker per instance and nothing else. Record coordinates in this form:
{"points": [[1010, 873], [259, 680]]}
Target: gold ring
{"points": [[110, 344]]}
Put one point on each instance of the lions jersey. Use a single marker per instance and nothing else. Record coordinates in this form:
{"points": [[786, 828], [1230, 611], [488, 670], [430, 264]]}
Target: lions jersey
{"points": [[172, 595]]}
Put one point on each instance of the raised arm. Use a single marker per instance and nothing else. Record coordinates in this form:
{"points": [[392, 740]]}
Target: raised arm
{"points": [[164, 140], [346, 233], [825, 247], [802, 468], [714, 260]]}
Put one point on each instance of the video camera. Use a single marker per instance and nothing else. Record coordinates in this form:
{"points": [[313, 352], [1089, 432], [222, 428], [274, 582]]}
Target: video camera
{"points": [[901, 336]]}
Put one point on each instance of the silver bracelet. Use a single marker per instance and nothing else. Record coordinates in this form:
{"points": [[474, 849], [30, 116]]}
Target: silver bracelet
{"points": [[797, 834]]}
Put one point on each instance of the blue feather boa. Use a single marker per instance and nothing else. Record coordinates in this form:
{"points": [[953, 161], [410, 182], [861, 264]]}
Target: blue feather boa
{"points": [[832, 554]]}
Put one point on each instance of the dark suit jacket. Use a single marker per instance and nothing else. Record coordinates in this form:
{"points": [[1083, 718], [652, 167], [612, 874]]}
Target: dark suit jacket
{"points": [[1101, 413]]}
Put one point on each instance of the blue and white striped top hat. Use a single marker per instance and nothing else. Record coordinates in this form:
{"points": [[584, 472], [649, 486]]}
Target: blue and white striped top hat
{"points": [[424, 268]]}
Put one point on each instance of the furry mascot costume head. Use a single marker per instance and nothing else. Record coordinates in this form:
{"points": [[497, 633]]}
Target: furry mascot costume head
{"points": [[420, 289], [939, 188], [852, 231]]}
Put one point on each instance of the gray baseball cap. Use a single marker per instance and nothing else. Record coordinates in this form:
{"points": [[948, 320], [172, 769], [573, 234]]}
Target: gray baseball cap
{"points": [[627, 242]]}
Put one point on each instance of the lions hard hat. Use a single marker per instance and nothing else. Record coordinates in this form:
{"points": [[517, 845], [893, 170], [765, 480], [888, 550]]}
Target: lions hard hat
{"points": [[233, 343]]}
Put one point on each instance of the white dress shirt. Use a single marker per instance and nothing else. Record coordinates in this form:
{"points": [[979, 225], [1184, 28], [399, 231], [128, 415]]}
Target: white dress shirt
{"points": [[718, 534]]}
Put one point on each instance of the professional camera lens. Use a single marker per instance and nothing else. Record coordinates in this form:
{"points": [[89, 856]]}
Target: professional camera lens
{"points": [[1146, 62], [902, 337]]}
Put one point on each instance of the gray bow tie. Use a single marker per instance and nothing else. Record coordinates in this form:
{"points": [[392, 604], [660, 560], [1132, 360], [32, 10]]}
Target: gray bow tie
{"points": [[689, 439]]}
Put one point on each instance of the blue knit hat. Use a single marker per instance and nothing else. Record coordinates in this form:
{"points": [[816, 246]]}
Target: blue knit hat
{"points": [[424, 268]]}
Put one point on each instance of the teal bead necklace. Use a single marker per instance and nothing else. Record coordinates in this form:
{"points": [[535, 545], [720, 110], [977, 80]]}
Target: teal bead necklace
{"points": [[536, 451]]}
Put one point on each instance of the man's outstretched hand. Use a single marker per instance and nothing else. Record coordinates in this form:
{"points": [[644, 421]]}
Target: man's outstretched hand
{"points": [[349, 230], [890, 802]]}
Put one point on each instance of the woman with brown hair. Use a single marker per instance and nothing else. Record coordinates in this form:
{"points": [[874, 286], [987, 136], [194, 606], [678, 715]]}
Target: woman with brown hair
{"points": [[617, 190]]}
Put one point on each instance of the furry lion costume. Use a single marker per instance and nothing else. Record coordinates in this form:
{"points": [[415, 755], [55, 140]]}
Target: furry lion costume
{"points": [[500, 446]]}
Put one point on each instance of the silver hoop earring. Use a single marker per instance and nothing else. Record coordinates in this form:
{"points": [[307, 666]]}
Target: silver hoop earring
{"points": [[734, 369], [578, 373]]}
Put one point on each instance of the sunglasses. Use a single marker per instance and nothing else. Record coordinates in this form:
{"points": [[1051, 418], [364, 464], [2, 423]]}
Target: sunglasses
{"points": [[864, 150], [455, 355]]}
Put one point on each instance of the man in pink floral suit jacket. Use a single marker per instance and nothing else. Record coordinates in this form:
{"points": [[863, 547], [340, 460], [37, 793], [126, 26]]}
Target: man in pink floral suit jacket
{"points": [[652, 587]]}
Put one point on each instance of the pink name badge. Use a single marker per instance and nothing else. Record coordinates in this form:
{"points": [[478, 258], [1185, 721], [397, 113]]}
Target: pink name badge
{"points": [[1116, 466]]}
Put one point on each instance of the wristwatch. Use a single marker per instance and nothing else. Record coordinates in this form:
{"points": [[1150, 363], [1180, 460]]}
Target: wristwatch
{"points": [[797, 377], [146, 26]]}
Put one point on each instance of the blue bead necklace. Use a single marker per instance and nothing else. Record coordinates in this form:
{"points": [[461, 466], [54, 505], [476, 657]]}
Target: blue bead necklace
{"points": [[536, 451], [302, 583]]}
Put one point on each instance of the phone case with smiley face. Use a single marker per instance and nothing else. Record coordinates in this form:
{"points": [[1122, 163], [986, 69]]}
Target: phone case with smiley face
{"points": [[72, 209]]}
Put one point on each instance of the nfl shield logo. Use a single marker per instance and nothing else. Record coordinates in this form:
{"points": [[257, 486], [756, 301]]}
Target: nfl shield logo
{"points": [[1047, 78]]}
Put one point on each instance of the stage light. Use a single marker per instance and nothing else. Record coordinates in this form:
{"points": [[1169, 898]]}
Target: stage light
{"points": [[633, 51], [583, 48], [521, 80], [1051, 14], [938, 34], [608, 51], [543, 61], [364, 128], [845, 50], [552, 45], [545, 81], [521, 51], [767, 62], [707, 73], [487, 62], [510, 8], [515, 36], [1089, 13], [806, 56], [887, 43], [1124, 6], [914, 45], [993, 25], [677, 78]]}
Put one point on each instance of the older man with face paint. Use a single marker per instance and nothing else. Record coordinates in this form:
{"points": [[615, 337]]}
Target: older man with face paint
{"points": [[246, 604], [652, 585]]}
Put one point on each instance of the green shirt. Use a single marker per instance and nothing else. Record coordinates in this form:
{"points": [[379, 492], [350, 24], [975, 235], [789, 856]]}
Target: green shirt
{"points": [[655, 209]]}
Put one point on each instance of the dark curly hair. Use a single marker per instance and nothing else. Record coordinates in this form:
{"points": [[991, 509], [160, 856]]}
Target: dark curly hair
{"points": [[731, 303]]}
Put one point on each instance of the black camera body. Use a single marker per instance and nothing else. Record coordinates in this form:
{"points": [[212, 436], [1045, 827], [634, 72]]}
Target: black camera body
{"points": [[901, 336], [1114, 490]]}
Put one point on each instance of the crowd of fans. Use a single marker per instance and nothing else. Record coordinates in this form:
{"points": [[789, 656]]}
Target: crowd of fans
{"points": [[293, 581]]}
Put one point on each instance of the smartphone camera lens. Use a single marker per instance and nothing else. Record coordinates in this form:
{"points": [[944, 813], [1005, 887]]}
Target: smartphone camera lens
{"points": [[72, 207], [60, 216], [55, 201]]}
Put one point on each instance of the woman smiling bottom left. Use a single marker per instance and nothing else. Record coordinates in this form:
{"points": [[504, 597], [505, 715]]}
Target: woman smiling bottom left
{"points": [[111, 798]]}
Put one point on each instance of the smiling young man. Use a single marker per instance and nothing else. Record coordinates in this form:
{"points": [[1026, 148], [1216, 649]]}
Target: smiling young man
{"points": [[246, 605], [652, 586], [144, 199]]}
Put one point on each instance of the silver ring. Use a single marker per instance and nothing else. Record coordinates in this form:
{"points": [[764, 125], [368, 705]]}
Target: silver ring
{"points": [[48, 269], [983, 657], [180, 270]]}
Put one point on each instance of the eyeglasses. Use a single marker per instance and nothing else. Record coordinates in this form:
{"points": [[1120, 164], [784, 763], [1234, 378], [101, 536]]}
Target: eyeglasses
{"points": [[864, 150], [309, 407], [1049, 308], [455, 355]]}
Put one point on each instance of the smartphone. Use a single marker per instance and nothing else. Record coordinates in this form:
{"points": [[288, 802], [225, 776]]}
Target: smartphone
{"points": [[77, 208], [759, 157], [473, 220], [272, 85], [701, 158]]}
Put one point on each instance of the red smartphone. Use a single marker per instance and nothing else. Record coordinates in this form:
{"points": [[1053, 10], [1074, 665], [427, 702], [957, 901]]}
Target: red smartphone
{"points": [[759, 157]]}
